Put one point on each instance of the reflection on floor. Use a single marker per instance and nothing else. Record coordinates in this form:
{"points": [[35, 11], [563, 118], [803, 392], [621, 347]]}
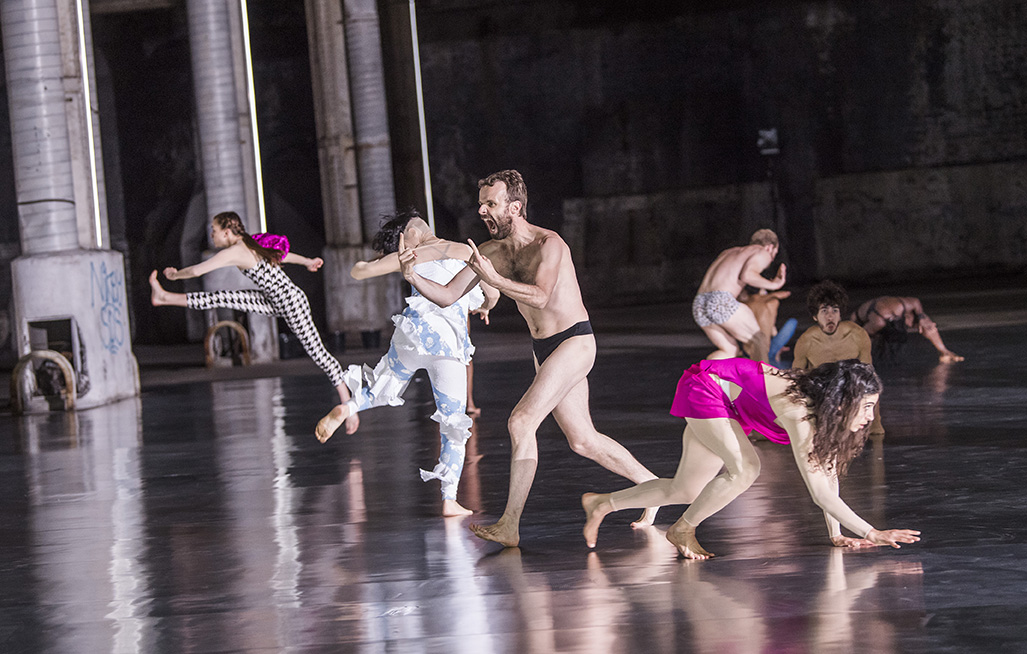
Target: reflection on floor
{"points": [[205, 517]]}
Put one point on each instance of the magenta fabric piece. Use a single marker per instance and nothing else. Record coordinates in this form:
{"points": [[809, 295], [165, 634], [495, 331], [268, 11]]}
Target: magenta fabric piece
{"points": [[700, 396], [273, 241]]}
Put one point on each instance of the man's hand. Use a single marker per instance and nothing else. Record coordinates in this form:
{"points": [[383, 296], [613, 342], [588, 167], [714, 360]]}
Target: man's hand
{"points": [[483, 314], [481, 265], [779, 278], [171, 273]]}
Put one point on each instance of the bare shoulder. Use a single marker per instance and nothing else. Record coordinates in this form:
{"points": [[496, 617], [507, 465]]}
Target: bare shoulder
{"points": [[550, 240], [847, 328], [452, 250], [239, 254], [757, 254], [777, 386], [775, 382], [811, 333]]}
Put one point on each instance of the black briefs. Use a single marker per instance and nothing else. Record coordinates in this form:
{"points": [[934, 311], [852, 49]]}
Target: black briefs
{"points": [[543, 347]]}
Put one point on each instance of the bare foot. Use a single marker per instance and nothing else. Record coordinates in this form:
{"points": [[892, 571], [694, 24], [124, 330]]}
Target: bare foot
{"points": [[647, 519], [158, 296], [327, 425], [950, 357], [595, 510], [452, 508], [498, 533], [683, 538], [352, 423]]}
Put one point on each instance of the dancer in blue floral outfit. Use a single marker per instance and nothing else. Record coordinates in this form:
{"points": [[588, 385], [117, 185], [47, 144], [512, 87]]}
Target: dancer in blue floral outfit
{"points": [[427, 336]]}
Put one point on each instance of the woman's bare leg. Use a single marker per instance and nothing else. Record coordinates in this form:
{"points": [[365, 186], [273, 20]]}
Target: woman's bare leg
{"points": [[682, 536], [160, 297], [697, 467], [727, 440], [452, 509], [353, 419]]}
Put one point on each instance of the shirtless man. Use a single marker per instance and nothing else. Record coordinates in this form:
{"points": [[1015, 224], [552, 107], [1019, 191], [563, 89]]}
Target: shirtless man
{"points": [[890, 319], [833, 339], [533, 267], [726, 321]]}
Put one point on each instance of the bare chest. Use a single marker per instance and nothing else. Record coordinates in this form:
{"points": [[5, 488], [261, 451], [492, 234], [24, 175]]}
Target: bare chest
{"points": [[521, 266]]}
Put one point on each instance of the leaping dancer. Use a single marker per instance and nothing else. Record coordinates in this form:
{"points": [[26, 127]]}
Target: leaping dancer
{"points": [[259, 259]]}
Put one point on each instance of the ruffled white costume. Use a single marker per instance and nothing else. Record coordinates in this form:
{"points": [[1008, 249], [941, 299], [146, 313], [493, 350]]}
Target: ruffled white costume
{"points": [[434, 338]]}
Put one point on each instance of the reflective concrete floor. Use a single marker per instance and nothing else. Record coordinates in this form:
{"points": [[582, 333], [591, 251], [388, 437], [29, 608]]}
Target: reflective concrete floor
{"points": [[205, 517]]}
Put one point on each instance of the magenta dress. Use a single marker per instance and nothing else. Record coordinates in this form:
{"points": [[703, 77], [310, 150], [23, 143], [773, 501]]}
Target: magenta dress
{"points": [[700, 396]]}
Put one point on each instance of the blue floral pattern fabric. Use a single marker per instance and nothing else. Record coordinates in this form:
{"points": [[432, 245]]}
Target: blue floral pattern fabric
{"points": [[429, 329], [435, 339]]}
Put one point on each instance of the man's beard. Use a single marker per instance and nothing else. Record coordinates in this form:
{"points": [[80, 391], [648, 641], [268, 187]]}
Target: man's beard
{"points": [[503, 227]]}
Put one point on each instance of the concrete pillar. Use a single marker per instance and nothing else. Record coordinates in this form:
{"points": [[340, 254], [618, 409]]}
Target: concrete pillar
{"points": [[226, 143], [370, 111], [352, 207], [68, 286]]}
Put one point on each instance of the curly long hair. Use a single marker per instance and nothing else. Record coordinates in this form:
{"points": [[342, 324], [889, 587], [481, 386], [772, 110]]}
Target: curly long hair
{"points": [[386, 241], [231, 221], [833, 393]]}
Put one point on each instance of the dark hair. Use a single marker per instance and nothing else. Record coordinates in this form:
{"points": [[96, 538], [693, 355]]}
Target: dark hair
{"points": [[516, 191], [764, 237], [833, 393], [231, 221], [826, 293], [386, 240]]}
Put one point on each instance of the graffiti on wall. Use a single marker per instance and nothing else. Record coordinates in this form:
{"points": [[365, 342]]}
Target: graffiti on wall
{"points": [[108, 292]]}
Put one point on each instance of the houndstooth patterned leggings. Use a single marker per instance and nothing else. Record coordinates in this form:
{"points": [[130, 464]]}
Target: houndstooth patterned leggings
{"points": [[292, 305]]}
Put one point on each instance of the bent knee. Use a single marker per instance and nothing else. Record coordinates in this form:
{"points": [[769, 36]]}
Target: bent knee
{"points": [[582, 446], [747, 473], [521, 425]]}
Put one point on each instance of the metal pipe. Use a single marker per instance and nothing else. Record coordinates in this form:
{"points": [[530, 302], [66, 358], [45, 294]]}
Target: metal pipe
{"points": [[370, 112], [429, 202], [87, 104], [251, 95]]}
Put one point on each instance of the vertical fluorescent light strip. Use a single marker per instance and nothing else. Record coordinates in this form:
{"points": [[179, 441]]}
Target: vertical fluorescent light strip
{"points": [[251, 96], [88, 103], [420, 117]]}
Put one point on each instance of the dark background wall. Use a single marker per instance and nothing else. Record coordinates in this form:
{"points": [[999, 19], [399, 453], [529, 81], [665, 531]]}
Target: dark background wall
{"points": [[892, 117], [902, 129]]}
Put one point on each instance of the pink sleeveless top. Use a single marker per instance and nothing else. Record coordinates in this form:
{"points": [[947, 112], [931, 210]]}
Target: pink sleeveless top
{"points": [[700, 396]]}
